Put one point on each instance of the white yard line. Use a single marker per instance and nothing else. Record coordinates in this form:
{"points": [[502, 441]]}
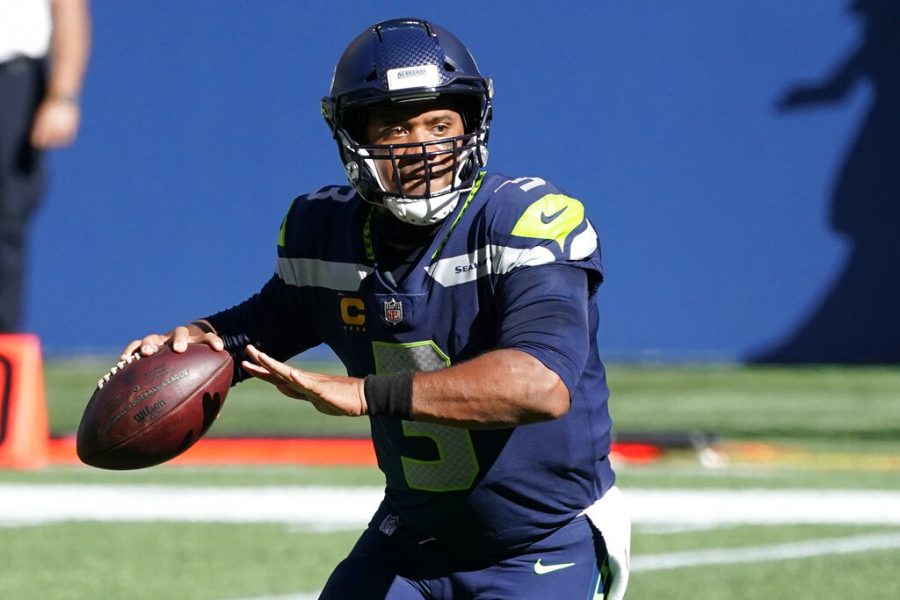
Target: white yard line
{"points": [[332, 508], [347, 507], [328, 508], [763, 507], [730, 556]]}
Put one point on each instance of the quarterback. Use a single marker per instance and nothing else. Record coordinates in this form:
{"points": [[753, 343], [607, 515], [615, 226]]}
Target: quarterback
{"points": [[462, 304]]}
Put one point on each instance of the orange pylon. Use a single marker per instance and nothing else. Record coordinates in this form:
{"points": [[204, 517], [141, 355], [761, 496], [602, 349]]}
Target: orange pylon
{"points": [[24, 429]]}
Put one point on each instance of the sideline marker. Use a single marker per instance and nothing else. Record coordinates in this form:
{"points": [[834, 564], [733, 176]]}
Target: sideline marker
{"points": [[24, 428]]}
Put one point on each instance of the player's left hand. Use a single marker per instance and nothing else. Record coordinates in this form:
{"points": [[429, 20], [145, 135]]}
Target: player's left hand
{"points": [[329, 394]]}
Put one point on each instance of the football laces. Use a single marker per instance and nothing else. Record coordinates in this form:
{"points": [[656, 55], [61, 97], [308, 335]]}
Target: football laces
{"points": [[116, 368]]}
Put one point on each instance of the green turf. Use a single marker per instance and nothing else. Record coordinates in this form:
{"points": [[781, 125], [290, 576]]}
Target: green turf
{"points": [[828, 406], [831, 428], [183, 561], [202, 476], [838, 404], [224, 562], [870, 575], [686, 474]]}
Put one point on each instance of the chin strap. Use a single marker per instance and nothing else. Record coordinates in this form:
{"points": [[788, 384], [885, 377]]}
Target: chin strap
{"points": [[425, 211], [369, 244]]}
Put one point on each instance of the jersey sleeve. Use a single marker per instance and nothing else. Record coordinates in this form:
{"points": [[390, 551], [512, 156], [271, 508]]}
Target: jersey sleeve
{"points": [[273, 319], [268, 320], [534, 223], [544, 312], [548, 269]]}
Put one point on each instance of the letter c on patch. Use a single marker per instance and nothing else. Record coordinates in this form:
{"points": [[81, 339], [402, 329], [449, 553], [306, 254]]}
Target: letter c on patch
{"points": [[353, 311]]}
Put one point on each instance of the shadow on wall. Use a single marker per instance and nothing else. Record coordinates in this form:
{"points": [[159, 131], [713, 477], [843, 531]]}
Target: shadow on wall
{"points": [[858, 320]]}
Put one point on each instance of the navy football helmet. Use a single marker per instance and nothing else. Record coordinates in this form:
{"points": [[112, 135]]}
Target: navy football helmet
{"points": [[401, 61]]}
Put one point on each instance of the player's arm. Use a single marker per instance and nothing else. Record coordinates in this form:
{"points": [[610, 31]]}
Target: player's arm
{"points": [[502, 388], [543, 341], [266, 320], [506, 387], [57, 118]]}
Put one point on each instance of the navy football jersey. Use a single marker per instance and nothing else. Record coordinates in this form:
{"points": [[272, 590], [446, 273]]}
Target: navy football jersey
{"points": [[486, 491]]}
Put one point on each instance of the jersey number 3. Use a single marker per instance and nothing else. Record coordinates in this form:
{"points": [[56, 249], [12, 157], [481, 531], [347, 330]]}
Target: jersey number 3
{"points": [[456, 467]]}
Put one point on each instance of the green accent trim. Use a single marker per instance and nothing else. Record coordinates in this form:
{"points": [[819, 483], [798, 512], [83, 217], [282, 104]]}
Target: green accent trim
{"points": [[475, 187], [282, 231], [551, 217], [367, 226], [456, 467], [379, 369], [367, 236]]}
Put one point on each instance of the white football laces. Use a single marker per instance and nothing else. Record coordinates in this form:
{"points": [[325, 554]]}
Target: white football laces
{"points": [[116, 368]]}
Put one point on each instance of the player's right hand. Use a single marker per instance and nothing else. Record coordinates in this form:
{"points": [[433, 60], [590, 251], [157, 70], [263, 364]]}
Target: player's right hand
{"points": [[55, 123], [178, 339]]}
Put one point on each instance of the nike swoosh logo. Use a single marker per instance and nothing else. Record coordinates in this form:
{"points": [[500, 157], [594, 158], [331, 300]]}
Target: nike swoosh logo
{"points": [[542, 569], [545, 219]]}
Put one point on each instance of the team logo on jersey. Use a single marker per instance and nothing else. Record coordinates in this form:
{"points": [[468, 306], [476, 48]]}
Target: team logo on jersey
{"points": [[393, 311]]}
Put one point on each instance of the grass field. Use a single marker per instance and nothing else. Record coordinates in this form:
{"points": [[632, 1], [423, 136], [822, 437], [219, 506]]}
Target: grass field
{"points": [[794, 442]]}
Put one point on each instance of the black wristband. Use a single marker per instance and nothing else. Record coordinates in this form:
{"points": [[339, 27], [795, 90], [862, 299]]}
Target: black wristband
{"points": [[389, 395], [235, 345]]}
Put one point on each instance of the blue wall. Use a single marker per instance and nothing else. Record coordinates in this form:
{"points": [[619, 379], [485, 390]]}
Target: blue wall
{"points": [[201, 123]]}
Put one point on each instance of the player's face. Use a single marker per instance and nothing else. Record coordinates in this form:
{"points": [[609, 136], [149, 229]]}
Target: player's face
{"points": [[424, 127]]}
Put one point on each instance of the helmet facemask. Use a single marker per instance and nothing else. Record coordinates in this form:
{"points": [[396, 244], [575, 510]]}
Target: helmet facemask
{"points": [[409, 63], [411, 179]]}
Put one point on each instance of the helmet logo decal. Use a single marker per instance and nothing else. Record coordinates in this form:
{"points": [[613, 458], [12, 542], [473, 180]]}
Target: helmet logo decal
{"points": [[411, 77]]}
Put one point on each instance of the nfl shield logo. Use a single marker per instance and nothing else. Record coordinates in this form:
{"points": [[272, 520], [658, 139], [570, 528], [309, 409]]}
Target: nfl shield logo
{"points": [[393, 311], [389, 525]]}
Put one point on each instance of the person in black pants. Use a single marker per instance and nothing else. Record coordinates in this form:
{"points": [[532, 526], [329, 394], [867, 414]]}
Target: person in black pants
{"points": [[44, 49]]}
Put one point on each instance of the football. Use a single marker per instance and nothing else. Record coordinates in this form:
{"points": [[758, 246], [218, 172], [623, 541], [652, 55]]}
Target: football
{"points": [[149, 409]]}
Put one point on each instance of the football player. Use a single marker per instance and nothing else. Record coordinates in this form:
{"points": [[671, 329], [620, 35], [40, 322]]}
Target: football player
{"points": [[462, 303]]}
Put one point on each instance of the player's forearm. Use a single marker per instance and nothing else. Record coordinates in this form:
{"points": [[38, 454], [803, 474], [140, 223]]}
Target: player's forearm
{"points": [[268, 320], [70, 47], [502, 388]]}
